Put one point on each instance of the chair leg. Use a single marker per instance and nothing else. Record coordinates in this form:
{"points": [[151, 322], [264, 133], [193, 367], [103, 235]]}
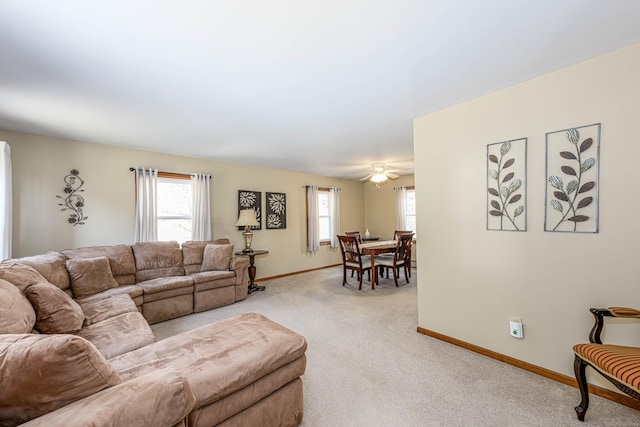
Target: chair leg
{"points": [[360, 276], [407, 275], [395, 275], [579, 367], [344, 275]]}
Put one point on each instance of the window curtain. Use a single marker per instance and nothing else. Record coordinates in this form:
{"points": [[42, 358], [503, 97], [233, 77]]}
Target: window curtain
{"points": [[313, 219], [201, 209], [146, 227], [334, 201], [5, 200], [401, 208]]}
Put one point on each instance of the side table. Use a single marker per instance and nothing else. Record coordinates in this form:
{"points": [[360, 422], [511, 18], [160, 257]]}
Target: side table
{"points": [[252, 268]]}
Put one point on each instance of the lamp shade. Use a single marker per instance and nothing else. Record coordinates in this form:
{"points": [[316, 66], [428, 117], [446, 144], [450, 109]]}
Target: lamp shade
{"points": [[247, 218]]}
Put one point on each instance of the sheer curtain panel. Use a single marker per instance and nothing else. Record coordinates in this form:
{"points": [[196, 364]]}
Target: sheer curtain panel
{"points": [[401, 208], [146, 227], [334, 200], [5, 200], [313, 219], [201, 210]]}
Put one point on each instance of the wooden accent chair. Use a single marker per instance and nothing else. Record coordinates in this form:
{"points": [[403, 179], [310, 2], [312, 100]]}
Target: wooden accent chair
{"points": [[352, 259], [399, 259], [618, 364]]}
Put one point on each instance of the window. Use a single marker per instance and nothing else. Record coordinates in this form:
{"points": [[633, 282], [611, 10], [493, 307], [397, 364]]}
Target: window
{"points": [[410, 216], [325, 216], [174, 201]]}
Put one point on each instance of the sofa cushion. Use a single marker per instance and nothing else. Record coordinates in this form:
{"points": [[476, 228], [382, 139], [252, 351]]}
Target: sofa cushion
{"points": [[16, 312], [104, 308], [51, 265], [90, 276], [41, 373], [56, 312], [21, 275], [193, 250], [216, 257], [240, 350], [157, 259], [161, 398], [134, 291], [121, 261], [118, 335]]}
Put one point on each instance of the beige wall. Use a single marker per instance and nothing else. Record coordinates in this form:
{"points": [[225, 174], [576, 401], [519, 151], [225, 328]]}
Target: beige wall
{"points": [[472, 280], [40, 164]]}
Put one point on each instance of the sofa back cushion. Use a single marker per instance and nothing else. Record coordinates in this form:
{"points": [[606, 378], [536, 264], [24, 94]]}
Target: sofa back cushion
{"points": [[193, 253], [90, 276], [56, 312], [16, 313], [21, 275], [121, 261], [41, 373], [157, 259], [52, 267]]}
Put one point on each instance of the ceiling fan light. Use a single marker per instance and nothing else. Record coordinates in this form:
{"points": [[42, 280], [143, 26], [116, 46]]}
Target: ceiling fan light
{"points": [[378, 178]]}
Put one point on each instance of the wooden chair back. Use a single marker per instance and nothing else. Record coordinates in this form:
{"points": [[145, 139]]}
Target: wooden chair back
{"points": [[355, 234]]}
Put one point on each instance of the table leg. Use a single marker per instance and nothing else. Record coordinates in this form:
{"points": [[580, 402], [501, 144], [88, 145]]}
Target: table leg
{"points": [[252, 276], [374, 274]]}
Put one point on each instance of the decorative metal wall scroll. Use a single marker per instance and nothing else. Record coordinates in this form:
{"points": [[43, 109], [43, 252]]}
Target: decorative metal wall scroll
{"points": [[506, 185], [276, 211], [71, 199], [251, 200], [571, 194]]}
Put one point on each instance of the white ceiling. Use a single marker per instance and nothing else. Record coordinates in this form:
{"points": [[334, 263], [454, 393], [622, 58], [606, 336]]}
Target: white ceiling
{"points": [[325, 87]]}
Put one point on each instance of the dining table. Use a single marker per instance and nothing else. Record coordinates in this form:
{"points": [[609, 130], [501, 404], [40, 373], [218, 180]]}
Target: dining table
{"points": [[377, 248]]}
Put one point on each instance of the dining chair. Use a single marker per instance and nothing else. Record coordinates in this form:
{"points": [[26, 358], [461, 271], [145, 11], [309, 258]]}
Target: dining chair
{"points": [[396, 236], [399, 258], [357, 235], [353, 260]]}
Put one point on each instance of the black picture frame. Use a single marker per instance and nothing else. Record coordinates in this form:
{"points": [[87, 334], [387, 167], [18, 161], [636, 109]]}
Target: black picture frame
{"points": [[248, 199], [276, 206]]}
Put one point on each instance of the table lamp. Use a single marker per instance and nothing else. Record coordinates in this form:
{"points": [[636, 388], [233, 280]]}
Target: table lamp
{"points": [[247, 219]]}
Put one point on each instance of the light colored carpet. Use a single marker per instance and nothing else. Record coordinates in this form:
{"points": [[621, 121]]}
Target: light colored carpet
{"points": [[367, 365]]}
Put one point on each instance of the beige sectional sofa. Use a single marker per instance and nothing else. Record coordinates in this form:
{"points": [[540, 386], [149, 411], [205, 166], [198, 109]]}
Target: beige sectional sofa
{"points": [[76, 347]]}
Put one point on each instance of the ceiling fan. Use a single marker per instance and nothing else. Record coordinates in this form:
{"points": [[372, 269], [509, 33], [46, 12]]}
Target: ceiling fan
{"points": [[379, 174]]}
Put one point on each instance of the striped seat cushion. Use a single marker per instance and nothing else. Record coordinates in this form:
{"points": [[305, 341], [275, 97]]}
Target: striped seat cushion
{"points": [[618, 362]]}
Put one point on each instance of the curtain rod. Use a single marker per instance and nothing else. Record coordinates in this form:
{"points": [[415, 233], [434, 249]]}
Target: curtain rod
{"points": [[171, 173], [319, 187]]}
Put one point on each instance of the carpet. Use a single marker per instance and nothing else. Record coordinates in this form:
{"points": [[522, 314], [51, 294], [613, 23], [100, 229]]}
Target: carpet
{"points": [[367, 365]]}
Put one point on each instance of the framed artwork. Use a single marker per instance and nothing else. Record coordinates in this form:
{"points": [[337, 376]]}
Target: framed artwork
{"points": [[276, 211], [506, 185], [251, 200], [571, 192]]}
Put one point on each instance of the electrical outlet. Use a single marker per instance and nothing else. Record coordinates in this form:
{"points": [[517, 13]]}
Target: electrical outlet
{"points": [[515, 327]]}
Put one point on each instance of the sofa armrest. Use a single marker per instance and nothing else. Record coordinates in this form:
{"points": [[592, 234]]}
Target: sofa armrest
{"points": [[163, 397], [239, 266]]}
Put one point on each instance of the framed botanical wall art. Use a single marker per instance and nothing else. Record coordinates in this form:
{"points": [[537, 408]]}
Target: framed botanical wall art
{"points": [[571, 194], [276, 211], [251, 200], [506, 185]]}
